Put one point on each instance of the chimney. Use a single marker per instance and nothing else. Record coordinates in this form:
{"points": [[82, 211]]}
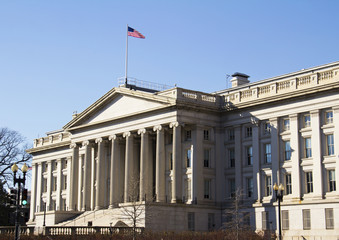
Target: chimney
{"points": [[239, 79]]}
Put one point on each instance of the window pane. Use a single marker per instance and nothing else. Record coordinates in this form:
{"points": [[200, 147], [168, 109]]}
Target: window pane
{"points": [[285, 220], [268, 153], [306, 219], [249, 155], [287, 150], [288, 180], [329, 218], [330, 145], [331, 180], [329, 117]]}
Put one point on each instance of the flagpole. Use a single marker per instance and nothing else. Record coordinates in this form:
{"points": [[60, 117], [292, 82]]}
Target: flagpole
{"points": [[126, 56]]}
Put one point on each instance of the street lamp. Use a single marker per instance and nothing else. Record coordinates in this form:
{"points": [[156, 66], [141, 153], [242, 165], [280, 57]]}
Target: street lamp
{"points": [[279, 193], [19, 181]]}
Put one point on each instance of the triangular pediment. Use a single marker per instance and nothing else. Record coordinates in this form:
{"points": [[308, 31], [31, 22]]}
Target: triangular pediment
{"points": [[119, 103]]}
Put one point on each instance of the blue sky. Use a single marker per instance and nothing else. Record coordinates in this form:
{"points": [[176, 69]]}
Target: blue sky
{"points": [[57, 57]]}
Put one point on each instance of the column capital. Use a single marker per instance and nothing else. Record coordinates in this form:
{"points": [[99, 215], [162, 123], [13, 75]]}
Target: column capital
{"points": [[126, 134], [255, 121], [112, 137], [176, 124], [157, 128], [73, 145], [85, 143], [142, 131], [98, 140]]}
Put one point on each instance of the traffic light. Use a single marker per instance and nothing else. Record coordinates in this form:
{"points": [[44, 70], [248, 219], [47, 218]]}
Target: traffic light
{"points": [[12, 196], [24, 197]]}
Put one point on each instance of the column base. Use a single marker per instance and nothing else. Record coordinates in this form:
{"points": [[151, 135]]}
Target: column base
{"points": [[176, 201]]}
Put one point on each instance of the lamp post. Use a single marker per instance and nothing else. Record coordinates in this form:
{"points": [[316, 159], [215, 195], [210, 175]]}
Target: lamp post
{"points": [[19, 181], [279, 193]]}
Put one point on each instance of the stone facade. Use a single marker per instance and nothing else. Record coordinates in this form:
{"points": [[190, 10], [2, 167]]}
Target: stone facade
{"points": [[190, 151]]}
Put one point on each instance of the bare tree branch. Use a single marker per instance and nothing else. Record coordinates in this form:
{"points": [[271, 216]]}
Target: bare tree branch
{"points": [[12, 150]]}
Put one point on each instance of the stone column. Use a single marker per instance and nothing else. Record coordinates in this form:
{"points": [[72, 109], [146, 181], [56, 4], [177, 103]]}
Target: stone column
{"points": [[177, 164], [39, 183], [114, 197], [94, 160], [160, 164], [58, 190], [33, 192], [144, 165], [197, 163], [295, 157], [257, 193], [69, 183], [316, 155], [275, 150], [99, 196], [49, 185], [86, 183], [73, 190], [336, 145], [219, 161], [80, 181], [129, 168]]}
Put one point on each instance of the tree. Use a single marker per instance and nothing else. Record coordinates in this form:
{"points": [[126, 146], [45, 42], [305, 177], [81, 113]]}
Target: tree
{"points": [[12, 150], [134, 210], [235, 217]]}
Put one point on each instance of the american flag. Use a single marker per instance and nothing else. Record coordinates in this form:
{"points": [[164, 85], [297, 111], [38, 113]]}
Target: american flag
{"points": [[134, 33]]}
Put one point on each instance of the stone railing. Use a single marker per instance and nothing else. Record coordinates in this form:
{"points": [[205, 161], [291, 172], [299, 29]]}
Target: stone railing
{"points": [[73, 230], [264, 90], [10, 230], [199, 97], [55, 138]]}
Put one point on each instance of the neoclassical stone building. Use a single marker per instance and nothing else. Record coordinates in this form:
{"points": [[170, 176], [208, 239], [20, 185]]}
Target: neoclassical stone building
{"points": [[190, 151]]}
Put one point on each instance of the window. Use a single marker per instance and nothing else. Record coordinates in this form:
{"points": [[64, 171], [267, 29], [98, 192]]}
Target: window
{"points": [[307, 120], [207, 189], [44, 185], [52, 205], [330, 144], [306, 219], [267, 128], [232, 187], [331, 180], [188, 158], [65, 163], [231, 135], [188, 135], [249, 132], [285, 220], [64, 181], [188, 189], [309, 182], [329, 117], [249, 187], [286, 124], [247, 219], [207, 158], [231, 158], [329, 218], [288, 184], [54, 183], [287, 150], [268, 185], [171, 161], [206, 134], [308, 148], [63, 204], [210, 222], [268, 155], [249, 152], [265, 221], [190, 221]]}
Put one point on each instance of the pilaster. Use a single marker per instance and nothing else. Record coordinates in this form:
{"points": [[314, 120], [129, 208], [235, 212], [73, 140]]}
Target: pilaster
{"points": [[33, 192], [257, 192], [295, 157], [316, 155]]}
